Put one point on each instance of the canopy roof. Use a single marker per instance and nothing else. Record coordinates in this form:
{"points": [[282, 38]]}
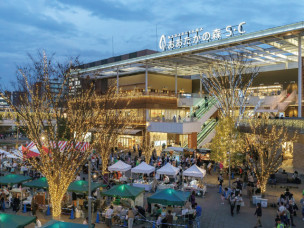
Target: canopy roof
{"points": [[179, 149], [39, 183], [143, 168], [13, 179], [195, 171], [59, 224], [168, 169], [8, 154], [169, 197], [15, 221], [119, 166], [82, 186], [124, 191]]}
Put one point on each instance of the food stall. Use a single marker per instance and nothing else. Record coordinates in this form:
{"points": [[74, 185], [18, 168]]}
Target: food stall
{"points": [[121, 167], [143, 168], [175, 152], [196, 184], [169, 170]]}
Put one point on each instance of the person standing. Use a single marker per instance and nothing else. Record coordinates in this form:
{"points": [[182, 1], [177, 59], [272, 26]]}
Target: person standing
{"points": [[108, 216], [232, 201], [198, 211], [239, 202], [302, 204], [258, 213], [130, 218]]}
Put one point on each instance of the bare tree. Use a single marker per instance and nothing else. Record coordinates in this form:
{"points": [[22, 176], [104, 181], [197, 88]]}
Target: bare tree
{"points": [[228, 80], [112, 122], [264, 144], [50, 117]]}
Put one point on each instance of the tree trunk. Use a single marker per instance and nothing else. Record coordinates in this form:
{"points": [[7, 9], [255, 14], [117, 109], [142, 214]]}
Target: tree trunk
{"points": [[263, 185], [56, 205], [105, 160]]}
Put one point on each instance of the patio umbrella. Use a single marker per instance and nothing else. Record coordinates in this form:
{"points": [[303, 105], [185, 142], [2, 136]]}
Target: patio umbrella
{"points": [[83, 186], [15, 221], [169, 197], [39, 183], [124, 191], [12, 179]]}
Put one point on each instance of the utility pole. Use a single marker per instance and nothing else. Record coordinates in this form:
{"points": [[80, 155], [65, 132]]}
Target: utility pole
{"points": [[89, 196]]}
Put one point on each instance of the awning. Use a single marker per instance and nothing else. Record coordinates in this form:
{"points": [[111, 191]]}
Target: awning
{"points": [[143, 168], [59, 224], [131, 131], [119, 166], [169, 197], [168, 169], [194, 171], [39, 183], [15, 221], [124, 191], [12, 179]]}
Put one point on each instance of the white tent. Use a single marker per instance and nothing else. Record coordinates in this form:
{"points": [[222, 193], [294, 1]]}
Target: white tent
{"points": [[195, 171], [8, 154], [168, 169], [143, 168], [179, 149], [119, 166]]}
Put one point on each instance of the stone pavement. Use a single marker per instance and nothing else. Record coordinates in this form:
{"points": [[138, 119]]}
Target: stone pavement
{"points": [[216, 215]]}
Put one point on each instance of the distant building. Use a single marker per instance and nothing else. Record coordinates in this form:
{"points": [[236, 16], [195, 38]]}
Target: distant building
{"points": [[17, 97]]}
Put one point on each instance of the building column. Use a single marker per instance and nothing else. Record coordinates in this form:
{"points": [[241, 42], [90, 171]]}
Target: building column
{"points": [[201, 85], [117, 81], [146, 80], [299, 76], [176, 81]]}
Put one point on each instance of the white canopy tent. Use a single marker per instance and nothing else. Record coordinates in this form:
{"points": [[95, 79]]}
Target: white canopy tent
{"points": [[194, 171], [119, 166], [8, 154], [179, 149], [168, 169], [143, 168]]}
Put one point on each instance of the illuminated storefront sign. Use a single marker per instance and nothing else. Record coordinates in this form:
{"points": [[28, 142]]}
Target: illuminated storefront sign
{"points": [[197, 36]]}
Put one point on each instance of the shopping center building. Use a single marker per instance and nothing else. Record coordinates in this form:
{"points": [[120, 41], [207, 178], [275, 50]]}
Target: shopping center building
{"points": [[166, 88]]}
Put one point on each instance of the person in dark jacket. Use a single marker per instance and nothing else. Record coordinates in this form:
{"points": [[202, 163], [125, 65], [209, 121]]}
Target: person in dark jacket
{"points": [[258, 213], [16, 204]]}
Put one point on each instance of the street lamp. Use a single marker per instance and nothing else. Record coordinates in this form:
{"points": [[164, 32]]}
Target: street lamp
{"points": [[89, 196]]}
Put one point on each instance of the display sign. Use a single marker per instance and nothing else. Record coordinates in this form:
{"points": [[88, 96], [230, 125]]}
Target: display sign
{"points": [[197, 36]]}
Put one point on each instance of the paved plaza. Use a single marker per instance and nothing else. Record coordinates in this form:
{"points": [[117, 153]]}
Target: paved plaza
{"points": [[216, 215]]}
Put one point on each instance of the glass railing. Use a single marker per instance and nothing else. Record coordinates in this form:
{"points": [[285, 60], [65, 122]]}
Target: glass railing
{"points": [[211, 101]]}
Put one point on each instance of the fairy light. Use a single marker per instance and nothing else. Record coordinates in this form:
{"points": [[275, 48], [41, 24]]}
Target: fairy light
{"points": [[50, 118], [264, 142], [112, 122]]}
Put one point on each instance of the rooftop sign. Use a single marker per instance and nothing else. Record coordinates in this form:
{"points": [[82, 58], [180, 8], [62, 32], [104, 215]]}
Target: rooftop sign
{"points": [[197, 36]]}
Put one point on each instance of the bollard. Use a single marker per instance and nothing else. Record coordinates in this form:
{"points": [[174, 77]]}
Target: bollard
{"points": [[24, 208], [97, 217], [72, 215], [232, 175], [3, 206], [48, 211]]}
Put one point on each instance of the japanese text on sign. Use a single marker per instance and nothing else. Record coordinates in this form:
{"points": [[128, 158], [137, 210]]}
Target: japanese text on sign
{"points": [[199, 35]]}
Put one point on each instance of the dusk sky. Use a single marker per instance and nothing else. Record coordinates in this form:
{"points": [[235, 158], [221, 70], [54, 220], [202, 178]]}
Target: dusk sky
{"points": [[86, 27]]}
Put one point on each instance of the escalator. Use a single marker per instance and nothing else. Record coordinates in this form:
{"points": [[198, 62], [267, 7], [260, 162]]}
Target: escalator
{"points": [[207, 128]]}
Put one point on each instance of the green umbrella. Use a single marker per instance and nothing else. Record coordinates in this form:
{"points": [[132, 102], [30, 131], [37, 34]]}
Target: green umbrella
{"points": [[59, 224], [169, 197], [12, 179], [83, 186], [15, 221], [39, 183], [124, 191]]}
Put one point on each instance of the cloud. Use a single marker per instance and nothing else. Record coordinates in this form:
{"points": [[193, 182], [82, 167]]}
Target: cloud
{"points": [[86, 27]]}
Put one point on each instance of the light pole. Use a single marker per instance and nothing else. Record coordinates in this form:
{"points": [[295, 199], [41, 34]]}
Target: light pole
{"points": [[229, 168]]}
